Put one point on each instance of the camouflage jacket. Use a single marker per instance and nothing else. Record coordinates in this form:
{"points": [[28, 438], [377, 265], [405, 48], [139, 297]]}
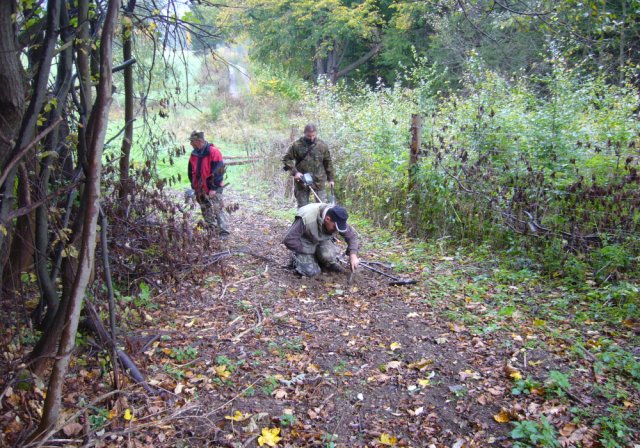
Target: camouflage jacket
{"points": [[309, 226], [318, 162]]}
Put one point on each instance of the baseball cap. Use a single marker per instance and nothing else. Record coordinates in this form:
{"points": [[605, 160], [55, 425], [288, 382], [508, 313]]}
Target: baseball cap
{"points": [[196, 135], [339, 215]]}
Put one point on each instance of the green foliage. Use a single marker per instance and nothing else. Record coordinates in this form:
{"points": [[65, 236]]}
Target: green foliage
{"points": [[613, 356], [610, 261], [269, 384], [175, 372], [277, 82], [287, 420], [304, 35], [216, 106], [143, 298], [98, 418], [551, 157], [230, 364], [614, 431], [525, 386], [184, 354], [529, 433], [557, 383]]}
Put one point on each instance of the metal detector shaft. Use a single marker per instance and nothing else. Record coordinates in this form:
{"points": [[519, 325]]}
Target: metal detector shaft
{"points": [[314, 193], [396, 280]]}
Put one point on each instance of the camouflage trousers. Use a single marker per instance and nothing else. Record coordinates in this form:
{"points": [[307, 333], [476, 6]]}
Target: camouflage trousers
{"points": [[214, 213], [315, 256], [303, 194]]}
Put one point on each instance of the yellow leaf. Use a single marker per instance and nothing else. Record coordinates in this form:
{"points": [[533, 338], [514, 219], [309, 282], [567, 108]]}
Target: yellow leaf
{"points": [[516, 375], [394, 346], [112, 414], [222, 371], [269, 437], [420, 365], [502, 417], [388, 439], [424, 383], [237, 416], [127, 414]]}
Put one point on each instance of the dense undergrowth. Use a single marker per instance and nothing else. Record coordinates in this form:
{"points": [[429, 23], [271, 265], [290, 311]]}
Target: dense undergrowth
{"points": [[544, 168]]}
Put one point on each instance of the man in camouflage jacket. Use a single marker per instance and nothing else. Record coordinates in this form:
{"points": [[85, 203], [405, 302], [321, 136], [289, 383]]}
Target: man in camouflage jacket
{"points": [[311, 235], [310, 155]]}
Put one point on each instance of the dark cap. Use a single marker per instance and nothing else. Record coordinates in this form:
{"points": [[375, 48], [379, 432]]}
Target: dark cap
{"points": [[196, 135], [338, 215]]}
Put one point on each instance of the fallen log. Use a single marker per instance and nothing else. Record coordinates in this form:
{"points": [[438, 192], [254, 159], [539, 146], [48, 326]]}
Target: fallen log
{"points": [[242, 162]]}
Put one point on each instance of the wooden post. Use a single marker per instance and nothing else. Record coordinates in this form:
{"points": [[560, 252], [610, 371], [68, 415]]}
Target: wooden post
{"points": [[414, 152]]}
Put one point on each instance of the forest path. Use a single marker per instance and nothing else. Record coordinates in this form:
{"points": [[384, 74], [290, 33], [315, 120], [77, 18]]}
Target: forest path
{"points": [[351, 364]]}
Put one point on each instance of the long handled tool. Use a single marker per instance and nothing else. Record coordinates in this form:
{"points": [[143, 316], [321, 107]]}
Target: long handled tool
{"points": [[394, 280]]}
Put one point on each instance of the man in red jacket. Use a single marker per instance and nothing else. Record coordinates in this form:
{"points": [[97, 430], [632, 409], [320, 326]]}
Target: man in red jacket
{"points": [[206, 174]]}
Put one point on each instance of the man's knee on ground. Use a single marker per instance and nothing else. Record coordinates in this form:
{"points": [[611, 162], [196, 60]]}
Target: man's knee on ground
{"points": [[306, 265], [326, 254]]}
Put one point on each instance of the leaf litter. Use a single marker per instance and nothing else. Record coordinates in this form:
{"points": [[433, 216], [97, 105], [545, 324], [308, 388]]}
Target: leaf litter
{"points": [[246, 353]]}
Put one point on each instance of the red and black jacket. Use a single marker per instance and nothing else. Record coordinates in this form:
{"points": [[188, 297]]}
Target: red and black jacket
{"points": [[206, 169]]}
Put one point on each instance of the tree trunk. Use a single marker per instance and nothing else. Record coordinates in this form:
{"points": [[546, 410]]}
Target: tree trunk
{"points": [[30, 118], [125, 151], [96, 131], [11, 74], [20, 255], [12, 103]]}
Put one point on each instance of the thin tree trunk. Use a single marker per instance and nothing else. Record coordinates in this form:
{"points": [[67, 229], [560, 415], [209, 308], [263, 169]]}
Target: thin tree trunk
{"points": [[104, 246], [29, 122], [414, 151], [96, 132], [125, 152], [20, 255]]}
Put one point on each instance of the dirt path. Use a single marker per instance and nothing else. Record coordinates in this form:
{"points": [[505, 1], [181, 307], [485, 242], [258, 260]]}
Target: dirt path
{"points": [[329, 363], [243, 351]]}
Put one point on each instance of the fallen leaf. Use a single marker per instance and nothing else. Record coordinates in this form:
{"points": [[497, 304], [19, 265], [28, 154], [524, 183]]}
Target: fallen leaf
{"points": [[269, 437], [393, 365], [394, 346], [72, 429], [420, 365], [502, 417], [387, 439], [238, 416], [568, 429], [280, 394], [222, 371], [127, 414], [456, 328], [496, 391], [464, 375]]}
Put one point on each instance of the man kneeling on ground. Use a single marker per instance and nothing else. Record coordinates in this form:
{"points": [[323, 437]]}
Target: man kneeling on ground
{"points": [[310, 238]]}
